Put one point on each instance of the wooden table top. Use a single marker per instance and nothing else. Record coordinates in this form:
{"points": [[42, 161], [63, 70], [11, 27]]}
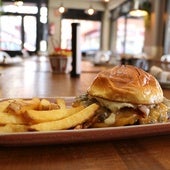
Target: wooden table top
{"points": [[34, 78]]}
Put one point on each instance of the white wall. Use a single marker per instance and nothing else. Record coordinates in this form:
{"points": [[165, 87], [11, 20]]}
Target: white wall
{"points": [[55, 17]]}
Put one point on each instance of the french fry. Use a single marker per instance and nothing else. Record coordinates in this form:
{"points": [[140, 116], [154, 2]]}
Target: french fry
{"points": [[19, 106], [4, 104], [54, 106], [10, 128], [44, 104], [21, 115], [8, 118], [47, 105], [68, 122], [36, 116], [61, 103]]}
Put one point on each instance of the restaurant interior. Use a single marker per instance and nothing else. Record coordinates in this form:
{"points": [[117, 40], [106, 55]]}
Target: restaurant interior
{"points": [[109, 35], [52, 49]]}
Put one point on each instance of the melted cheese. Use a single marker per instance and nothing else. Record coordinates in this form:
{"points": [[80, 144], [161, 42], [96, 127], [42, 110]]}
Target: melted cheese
{"points": [[130, 113], [114, 106], [111, 119]]}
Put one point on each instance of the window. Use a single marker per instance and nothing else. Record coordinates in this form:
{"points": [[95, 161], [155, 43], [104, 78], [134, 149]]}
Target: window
{"points": [[10, 33], [130, 35], [24, 27], [18, 28], [90, 34], [30, 33]]}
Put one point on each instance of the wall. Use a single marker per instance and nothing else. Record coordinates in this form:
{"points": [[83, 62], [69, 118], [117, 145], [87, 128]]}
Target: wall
{"points": [[55, 17]]}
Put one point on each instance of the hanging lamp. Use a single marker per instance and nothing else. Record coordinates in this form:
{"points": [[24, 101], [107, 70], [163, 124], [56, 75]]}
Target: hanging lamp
{"points": [[90, 11], [18, 2], [61, 9], [137, 11]]}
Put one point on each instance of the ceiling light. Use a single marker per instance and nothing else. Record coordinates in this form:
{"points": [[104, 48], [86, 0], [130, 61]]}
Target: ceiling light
{"points": [[18, 2], [90, 11], [136, 11], [61, 9]]}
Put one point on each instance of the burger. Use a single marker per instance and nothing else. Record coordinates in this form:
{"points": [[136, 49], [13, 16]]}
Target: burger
{"points": [[127, 95]]}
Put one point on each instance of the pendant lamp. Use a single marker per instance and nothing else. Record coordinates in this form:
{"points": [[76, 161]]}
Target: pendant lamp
{"points": [[90, 11], [137, 11], [61, 9], [18, 2]]}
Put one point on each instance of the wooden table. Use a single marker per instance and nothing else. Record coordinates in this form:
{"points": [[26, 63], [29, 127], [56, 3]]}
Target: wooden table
{"points": [[34, 78]]}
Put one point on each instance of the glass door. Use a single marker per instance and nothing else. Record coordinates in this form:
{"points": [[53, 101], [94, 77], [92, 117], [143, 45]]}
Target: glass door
{"points": [[30, 31], [24, 27], [17, 33], [89, 32], [10, 33], [130, 35]]}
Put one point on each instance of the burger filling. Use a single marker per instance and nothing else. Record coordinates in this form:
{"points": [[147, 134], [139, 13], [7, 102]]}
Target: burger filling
{"points": [[121, 114]]}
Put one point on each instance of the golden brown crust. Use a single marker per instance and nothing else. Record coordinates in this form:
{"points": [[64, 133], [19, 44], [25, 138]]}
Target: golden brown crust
{"points": [[126, 83]]}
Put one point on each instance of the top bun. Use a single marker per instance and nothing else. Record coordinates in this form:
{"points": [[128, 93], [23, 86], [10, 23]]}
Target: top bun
{"points": [[126, 83]]}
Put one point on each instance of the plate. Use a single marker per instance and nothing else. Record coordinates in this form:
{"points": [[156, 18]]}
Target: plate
{"points": [[83, 135]]}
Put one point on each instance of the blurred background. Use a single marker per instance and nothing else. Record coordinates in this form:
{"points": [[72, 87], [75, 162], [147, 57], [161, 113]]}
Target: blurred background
{"points": [[109, 29]]}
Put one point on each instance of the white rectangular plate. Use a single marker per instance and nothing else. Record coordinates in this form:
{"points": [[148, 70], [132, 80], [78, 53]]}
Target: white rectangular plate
{"points": [[83, 135]]}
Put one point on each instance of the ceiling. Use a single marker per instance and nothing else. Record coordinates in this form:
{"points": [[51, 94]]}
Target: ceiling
{"points": [[99, 5], [81, 4]]}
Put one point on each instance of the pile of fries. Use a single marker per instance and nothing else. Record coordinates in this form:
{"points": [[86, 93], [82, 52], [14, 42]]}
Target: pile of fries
{"points": [[22, 115]]}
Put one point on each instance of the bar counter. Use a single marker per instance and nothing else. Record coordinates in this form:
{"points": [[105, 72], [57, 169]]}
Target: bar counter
{"points": [[33, 78]]}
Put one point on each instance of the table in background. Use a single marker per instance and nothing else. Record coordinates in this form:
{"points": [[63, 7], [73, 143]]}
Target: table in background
{"points": [[34, 78]]}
